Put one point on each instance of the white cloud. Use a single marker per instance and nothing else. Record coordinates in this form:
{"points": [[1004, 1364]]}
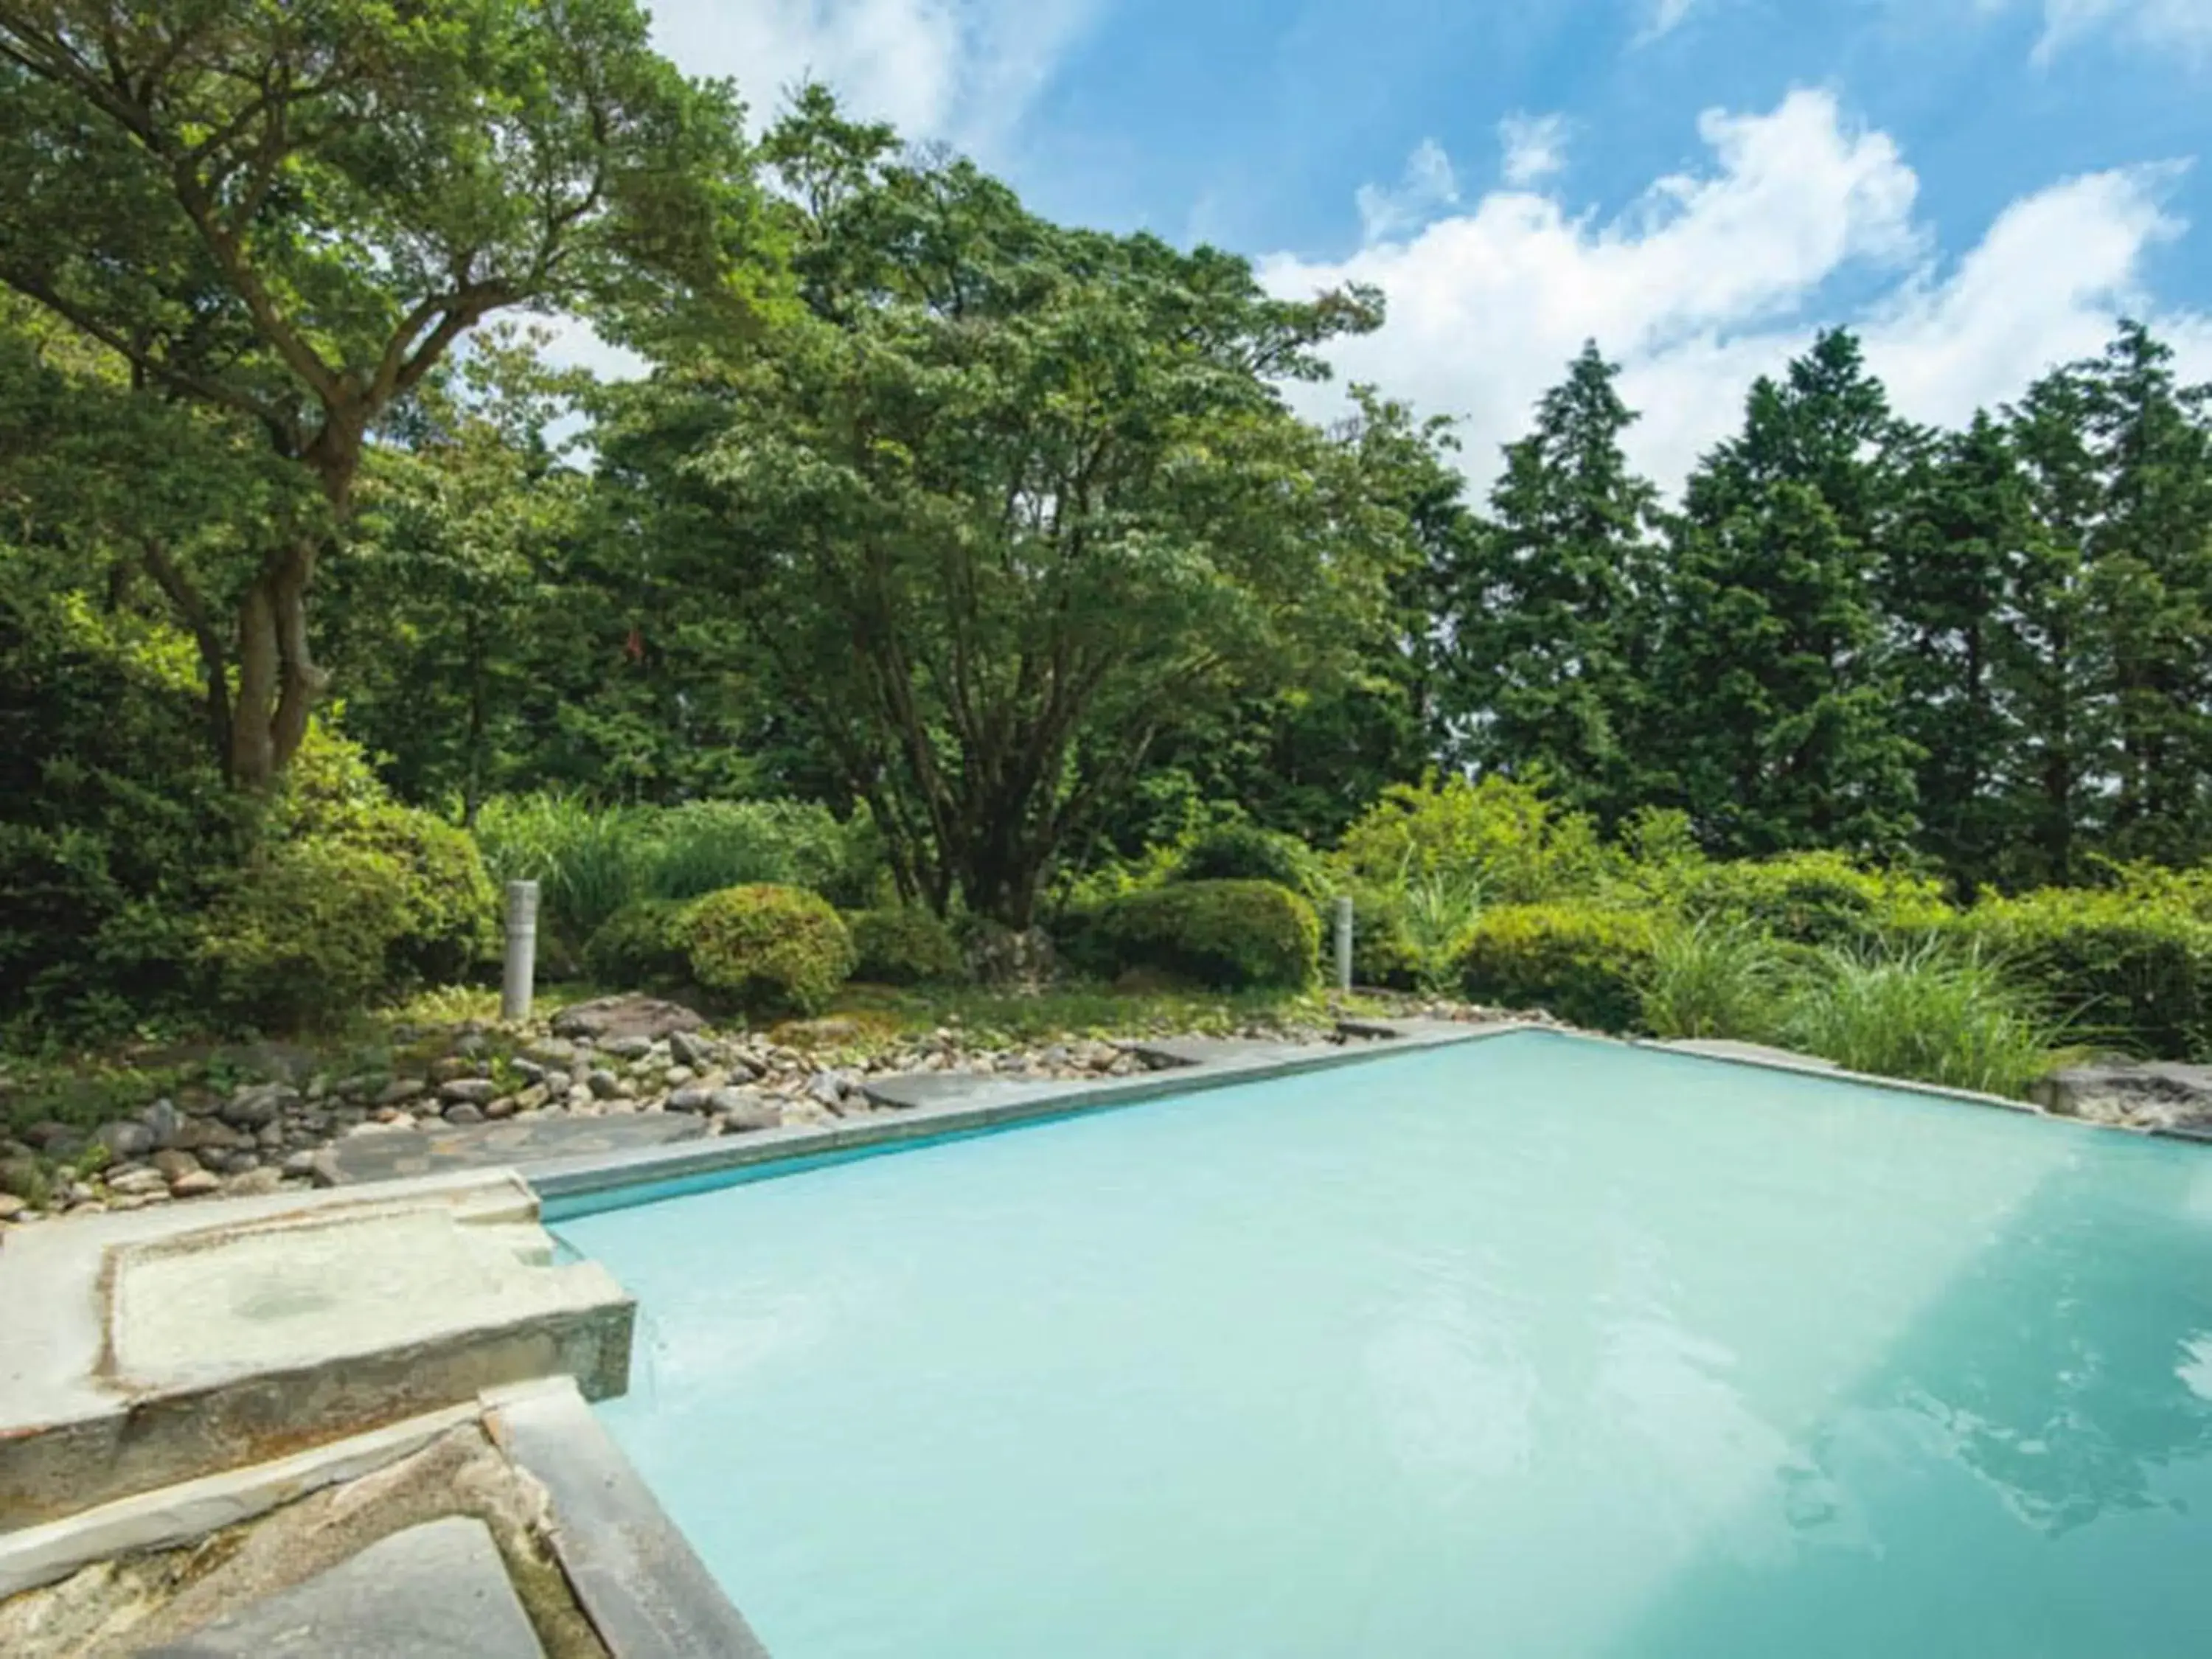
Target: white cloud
{"points": [[2183, 26], [1714, 278], [1667, 17], [1535, 146], [1429, 186], [962, 70]]}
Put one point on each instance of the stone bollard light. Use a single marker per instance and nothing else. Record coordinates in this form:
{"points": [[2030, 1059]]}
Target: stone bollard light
{"points": [[521, 951], [1343, 917]]}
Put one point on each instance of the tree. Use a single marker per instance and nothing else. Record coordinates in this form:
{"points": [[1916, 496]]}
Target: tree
{"points": [[1549, 624], [1009, 503], [286, 216], [1776, 709], [1949, 567]]}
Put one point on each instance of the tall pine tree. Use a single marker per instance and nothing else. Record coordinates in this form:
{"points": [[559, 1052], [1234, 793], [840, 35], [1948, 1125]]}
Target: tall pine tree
{"points": [[1775, 711]]}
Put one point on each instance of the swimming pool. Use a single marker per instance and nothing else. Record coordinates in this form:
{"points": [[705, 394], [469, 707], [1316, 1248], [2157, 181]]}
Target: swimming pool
{"points": [[1530, 1347]]}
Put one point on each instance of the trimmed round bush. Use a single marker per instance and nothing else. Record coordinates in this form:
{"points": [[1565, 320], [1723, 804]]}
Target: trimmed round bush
{"points": [[904, 944], [305, 935], [1243, 852], [769, 950], [1232, 935], [1585, 964], [636, 945]]}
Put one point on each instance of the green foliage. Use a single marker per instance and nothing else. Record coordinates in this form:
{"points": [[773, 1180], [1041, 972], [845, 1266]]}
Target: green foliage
{"points": [[591, 861], [1506, 838], [1439, 910], [116, 828], [349, 897], [1805, 898], [1229, 934], [1713, 980], [2120, 967], [1242, 852], [1927, 1012], [768, 949], [637, 946], [1385, 955], [1583, 963], [905, 944]]}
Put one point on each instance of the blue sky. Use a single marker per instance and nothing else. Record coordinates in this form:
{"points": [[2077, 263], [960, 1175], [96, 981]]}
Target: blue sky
{"points": [[1980, 185]]}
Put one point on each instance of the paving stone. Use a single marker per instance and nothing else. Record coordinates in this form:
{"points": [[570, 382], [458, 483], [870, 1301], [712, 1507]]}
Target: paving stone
{"points": [[394, 1154], [435, 1591]]}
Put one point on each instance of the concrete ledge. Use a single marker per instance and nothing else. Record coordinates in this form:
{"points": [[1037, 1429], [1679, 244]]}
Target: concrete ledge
{"points": [[161, 1345], [936, 1104], [643, 1587]]}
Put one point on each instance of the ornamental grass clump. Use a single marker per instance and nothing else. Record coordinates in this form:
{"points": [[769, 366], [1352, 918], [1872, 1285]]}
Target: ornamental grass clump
{"points": [[1710, 980], [1936, 1015]]}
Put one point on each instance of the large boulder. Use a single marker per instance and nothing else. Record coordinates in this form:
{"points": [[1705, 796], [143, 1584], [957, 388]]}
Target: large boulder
{"points": [[2151, 1095], [611, 1018]]}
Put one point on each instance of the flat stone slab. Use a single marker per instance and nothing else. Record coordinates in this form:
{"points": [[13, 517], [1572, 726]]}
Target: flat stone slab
{"points": [[434, 1591], [162, 1345], [1757, 1053], [402, 1154], [645, 1588]]}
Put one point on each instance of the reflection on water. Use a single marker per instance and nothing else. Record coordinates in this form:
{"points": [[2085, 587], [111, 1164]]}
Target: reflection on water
{"points": [[1540, 1350]]}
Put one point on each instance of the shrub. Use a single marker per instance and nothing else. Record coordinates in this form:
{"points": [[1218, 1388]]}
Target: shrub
{"points": [[1440, 911], [1229, 934], [306, 934], [769, 949], [1807, 898], [1712, 979], [1506, 837], [1583, 963], [1384, 952], [1936, 1014], [585, 859], [905, 945], [2119, 966], [1243, 852], [636, 945]]}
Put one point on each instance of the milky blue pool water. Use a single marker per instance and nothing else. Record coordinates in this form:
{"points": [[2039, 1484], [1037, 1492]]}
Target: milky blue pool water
{"points": [[1529, 1347]]}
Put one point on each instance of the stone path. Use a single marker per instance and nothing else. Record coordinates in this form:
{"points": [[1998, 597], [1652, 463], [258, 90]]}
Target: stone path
{"points": [[395, 1154], [435, 1591]]}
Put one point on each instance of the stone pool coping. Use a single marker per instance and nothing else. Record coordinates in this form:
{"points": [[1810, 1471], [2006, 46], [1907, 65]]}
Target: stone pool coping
{"points": [[932, 1105]]}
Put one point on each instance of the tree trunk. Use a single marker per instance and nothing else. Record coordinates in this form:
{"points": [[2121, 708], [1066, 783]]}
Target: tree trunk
{"points": [[278, 681]]}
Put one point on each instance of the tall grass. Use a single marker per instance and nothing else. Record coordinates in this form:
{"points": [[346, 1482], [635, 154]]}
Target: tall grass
{"points": [[591, 860], [1936, 1015], [1710, 980], [1439, 908]]}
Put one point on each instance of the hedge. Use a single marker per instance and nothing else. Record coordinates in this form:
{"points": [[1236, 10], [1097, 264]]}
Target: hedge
{"points": [[1585, 964], [1242, 852], [1808, 898], [769, 950], [1228, 934], [637, 946], [2119, 969]]}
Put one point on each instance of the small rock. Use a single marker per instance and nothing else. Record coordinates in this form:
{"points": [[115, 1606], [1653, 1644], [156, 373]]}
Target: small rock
{"points": [[693, 1097], [11, 1207], [744, 1109], [467, 1091], [43, 1135], [830, 1087], [194, 1183], [400, 1091], [124, 1140], [554, 1053], [173, 1164], [133, 1182], [271, 1138], [504, 1106], [691, 1049], [635, 1046], [461, 1112], [604, 1083], [532, 1098], [362, 1085], [298, 1163], [162, 1121], [528, 1070], [454, 1066], [473, 1046], [251, 1183], [323, 1167], [257, 1104], [578, 1097], [677, 1076], [201, 1134]]}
